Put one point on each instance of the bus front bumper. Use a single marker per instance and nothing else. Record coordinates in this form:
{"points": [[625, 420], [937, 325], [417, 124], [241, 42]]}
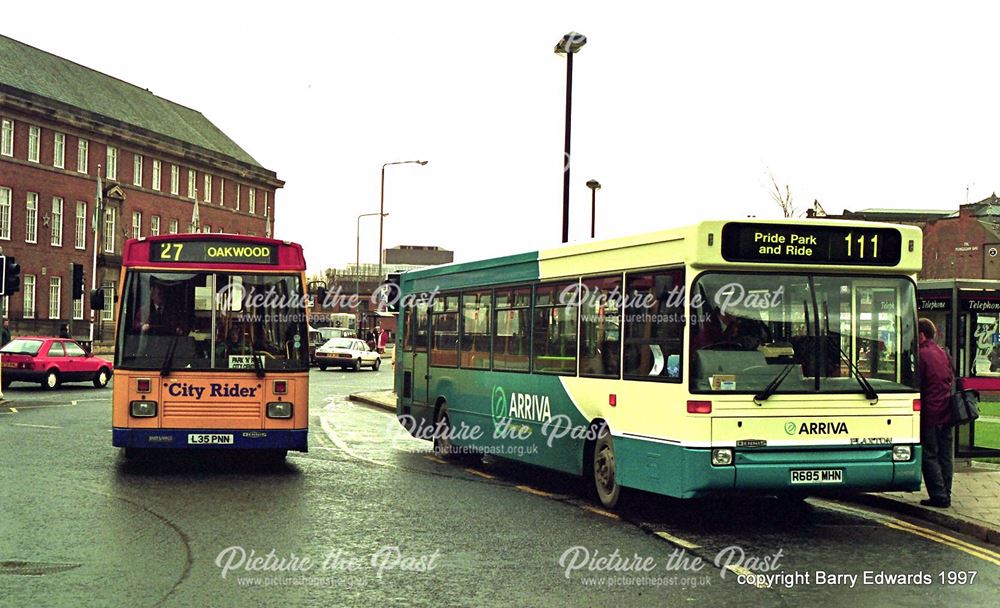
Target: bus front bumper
{"points": [[686, 472], [226, 439]]}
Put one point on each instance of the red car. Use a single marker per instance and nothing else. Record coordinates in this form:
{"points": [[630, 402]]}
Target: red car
{"points": [[50, 362]]}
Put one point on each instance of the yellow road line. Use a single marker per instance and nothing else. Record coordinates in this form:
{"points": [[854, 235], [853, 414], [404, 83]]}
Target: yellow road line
{"points": [[480, 474], [531, 490], [905, 526], [740, 570], [597, 511], [436, 459], [944, 540], [13, 410], [670, 538]]}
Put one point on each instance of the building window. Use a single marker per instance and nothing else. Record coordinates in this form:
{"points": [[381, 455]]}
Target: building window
{"points": [[7, 138], [78, 309], [111, 169], [192, 184], [28, 287], [82, 152], [175, 180], [137, 224], [34, 139], [208, 188], [5, 214], [174, 225], [252, 201], [156, 175], [109, 230], [108, 314], [206, 228], [59, 150], [137, 170], [154, 225], [237, 197], [31, 219], [222, 191], [57, 221], [81, 225], [55, 297]]}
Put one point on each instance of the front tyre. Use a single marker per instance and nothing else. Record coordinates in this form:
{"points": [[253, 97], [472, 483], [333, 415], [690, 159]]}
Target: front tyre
{"points": [[377, 364], [604, 472]]}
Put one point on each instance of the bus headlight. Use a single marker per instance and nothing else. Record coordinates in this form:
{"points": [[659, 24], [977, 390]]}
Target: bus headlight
{"points": [[722, 457], [142, 409], [279, 409], [901, 453]]}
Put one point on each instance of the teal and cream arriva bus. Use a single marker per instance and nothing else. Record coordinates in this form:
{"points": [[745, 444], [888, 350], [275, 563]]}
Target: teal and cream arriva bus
{"points": [[743, 356]]}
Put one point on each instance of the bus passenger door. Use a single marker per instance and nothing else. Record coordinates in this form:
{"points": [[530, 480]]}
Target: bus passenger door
{"points": [[420, 346]]}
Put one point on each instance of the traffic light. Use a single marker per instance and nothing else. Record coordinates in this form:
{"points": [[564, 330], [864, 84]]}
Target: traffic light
{"points": [[77, 281], [96, 299], [11, 276]]}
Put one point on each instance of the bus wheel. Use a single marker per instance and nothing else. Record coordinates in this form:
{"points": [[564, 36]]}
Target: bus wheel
{"points": [[102, 377], [443, 447], [605, 482], [51, 379]]}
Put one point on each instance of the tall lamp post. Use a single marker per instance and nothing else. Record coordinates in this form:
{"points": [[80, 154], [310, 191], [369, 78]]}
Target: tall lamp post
{"points": [[381, 206], [594, 186], [357, 253], [569, 45]]}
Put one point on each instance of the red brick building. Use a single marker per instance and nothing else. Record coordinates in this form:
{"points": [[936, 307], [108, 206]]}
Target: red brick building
{"points": [[62, 126], [963, 244]]}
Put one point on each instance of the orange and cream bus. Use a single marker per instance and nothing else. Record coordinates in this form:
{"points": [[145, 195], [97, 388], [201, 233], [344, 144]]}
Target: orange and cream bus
{"points": [[211, 348]]}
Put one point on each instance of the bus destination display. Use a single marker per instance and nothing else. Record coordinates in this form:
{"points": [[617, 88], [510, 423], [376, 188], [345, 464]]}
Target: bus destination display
{"points": [[776, 244], [217, 252]]}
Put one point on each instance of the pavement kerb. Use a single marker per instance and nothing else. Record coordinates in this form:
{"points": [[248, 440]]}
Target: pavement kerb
{"points": [[941, 518], [368, 400]]}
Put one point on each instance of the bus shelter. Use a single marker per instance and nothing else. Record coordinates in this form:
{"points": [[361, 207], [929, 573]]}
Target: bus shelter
{"points": [[967, 315]]}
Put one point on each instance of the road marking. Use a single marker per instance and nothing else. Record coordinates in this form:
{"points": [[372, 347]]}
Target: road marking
{"points": [[670, 538], [597, 511], [481, 474], [37, 426], [13, 410], [945, 540], [436, 459], [531, 490], [740, 570], [905, 526]]}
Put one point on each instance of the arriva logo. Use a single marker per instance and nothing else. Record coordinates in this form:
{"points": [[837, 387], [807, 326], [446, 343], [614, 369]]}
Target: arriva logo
{"points": [[817, 428], [521, 406], [498, 407]]}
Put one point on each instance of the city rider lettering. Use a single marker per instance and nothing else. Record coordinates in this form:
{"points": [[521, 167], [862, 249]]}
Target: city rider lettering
{"points": [[217, 390]]}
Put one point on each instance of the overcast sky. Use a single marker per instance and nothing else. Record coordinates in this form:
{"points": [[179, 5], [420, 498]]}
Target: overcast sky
{"points": [[680, 109]]}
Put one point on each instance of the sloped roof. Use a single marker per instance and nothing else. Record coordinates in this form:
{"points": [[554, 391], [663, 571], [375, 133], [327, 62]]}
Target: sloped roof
{"points": [[46, 75]]}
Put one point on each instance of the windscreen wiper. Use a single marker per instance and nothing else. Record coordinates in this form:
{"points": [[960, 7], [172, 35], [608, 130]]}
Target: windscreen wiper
{"points": [[866, 386], [168, 361], [772, 387]]}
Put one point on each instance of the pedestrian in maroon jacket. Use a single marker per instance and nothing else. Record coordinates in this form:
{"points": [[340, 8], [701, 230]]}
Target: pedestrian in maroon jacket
{"points": [[935, 417]]}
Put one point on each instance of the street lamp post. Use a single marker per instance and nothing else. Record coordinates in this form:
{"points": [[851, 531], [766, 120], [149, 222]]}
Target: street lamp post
{"points": [[594, 186], [381, 205], [569, 45], [357, 254]]}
